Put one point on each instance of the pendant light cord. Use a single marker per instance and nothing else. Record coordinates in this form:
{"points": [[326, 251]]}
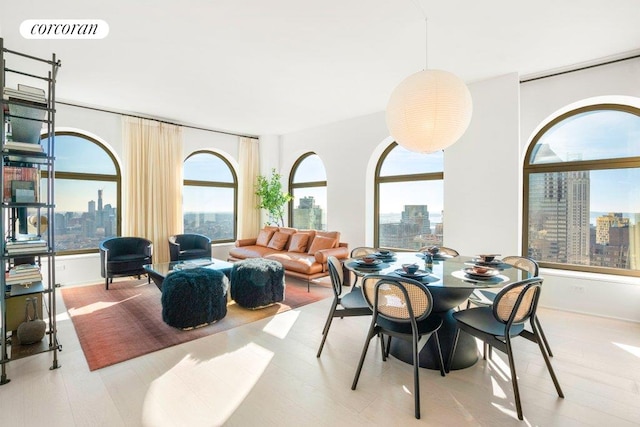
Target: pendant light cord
{"points": [[426, 34]]}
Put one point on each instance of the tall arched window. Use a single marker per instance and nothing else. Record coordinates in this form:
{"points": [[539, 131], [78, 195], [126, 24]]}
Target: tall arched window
{"points": [[87, 193], [210, 201], [308, 186], [408, 199], [582, 191]]}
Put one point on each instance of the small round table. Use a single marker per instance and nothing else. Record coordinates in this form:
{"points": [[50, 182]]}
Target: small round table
{"points": [[449, 288]]}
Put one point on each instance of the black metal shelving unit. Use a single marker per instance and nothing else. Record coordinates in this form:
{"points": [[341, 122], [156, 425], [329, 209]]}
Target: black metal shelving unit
{"points": [[27, 181]]}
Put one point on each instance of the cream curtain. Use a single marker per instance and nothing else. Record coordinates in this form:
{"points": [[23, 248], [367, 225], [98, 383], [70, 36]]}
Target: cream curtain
{"points": [[153, 182], [249, 216]]}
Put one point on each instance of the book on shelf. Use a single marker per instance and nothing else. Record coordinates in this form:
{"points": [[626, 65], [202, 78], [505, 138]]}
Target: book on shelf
{"points": [[25, 243], [16, 173], [26, 93], [26, 250], [17, 280], [23, 146]]}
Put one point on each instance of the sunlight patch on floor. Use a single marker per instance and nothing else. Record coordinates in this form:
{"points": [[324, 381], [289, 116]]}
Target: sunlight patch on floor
{"points": [[630, 348], [199, 392], [96, 306], [280, 325]]}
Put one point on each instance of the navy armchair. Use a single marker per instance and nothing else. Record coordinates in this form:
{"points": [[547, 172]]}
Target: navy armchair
{"points": [[124, 256], [189, 246]]}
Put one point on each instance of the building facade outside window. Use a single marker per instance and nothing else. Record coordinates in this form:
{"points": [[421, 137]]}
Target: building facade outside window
{"points": [[409, 196], [582, 191], [87, 193], [210, 197], [308, 186]]}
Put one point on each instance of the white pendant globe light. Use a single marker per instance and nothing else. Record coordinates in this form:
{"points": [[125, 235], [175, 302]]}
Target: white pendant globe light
{"points": [[429, 111]]}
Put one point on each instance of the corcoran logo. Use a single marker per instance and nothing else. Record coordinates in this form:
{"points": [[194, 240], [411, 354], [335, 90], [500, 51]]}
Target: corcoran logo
{"points": [[64, 29]]}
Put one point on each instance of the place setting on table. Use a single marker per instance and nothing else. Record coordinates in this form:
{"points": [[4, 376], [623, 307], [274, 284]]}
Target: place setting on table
{"points": [[485, 268]]}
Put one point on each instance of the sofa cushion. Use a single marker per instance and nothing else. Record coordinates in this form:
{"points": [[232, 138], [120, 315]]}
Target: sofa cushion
{"points": [[298, 262], [253, 251], [335, 235], [278, 241], [319, 243], [299, 242], [264, 237]]}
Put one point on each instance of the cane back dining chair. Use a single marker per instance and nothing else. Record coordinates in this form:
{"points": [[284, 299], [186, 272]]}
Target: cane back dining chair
{"points": [[503, 321], [401, 309], [483, 297], [441, 250], [344, 304], [358, 252]]}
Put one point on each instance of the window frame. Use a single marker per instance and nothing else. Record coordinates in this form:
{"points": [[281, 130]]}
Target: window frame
{"points": [[309, 184], [217, 184], [378, 180], [571, 166], [117, 178]]}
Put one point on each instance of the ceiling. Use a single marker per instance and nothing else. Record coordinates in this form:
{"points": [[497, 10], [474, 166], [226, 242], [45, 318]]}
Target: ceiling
{"points": [[262, 67]]}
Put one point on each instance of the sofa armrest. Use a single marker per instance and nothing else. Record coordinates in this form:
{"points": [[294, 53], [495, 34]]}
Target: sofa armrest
{"points": [[341, 252], [245, 242]]}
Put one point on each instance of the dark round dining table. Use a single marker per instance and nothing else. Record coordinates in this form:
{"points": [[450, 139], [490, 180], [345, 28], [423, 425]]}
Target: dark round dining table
{"points": [[450, 287]]}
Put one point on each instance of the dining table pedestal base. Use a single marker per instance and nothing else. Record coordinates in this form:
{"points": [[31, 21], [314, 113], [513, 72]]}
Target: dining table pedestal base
{"points": [[466, 350]]}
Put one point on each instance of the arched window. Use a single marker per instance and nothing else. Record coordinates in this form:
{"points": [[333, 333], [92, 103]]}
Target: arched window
{"points": [[308, 186], [210, 201], [87, 193], [582, 191], [409, 198]]}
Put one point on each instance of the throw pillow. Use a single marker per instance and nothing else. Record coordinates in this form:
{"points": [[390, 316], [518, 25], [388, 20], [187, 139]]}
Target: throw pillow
{"points": [[264, 237], [299, 242], [320, 243], [278, 241]]}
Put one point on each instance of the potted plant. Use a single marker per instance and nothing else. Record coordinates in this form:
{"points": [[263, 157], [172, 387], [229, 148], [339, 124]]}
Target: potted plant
{"points": [[272, 198]]}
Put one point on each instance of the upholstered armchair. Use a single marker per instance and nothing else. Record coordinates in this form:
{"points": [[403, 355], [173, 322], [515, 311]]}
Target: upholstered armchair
{"points": [[124, 256], [189, 246]]}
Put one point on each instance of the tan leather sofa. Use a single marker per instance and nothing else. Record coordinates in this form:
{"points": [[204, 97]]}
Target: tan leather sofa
{"points": [[303, 253]]}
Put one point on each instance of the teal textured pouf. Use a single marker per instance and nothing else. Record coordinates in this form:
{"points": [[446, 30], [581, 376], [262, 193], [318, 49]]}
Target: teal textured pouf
{"points": [[257, 282], [193, 298]]}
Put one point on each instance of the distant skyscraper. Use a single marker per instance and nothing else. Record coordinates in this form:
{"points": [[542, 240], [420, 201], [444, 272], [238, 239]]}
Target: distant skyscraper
{"points": [[100, 200], [308, 214], [92, 207], [559, 205], [605, 223]]}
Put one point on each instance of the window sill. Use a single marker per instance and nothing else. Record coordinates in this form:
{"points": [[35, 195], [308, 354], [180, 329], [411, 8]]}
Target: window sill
{"points": [[594, 277]]}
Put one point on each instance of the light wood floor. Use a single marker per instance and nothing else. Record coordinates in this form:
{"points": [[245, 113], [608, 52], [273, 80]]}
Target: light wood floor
{"points": [[267, 374]]}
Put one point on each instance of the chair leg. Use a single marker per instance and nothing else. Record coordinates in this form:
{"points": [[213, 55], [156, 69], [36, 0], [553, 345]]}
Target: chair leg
{"points": [[327, 325], [453, 350], [439, 349], [416, 379], [542, 335], [514, 378], [547, 361], [106, 283], [388, 346], [370, 335], [383, 349]]}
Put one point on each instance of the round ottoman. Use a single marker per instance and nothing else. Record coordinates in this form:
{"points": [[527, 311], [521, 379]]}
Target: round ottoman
{"points": [[194, 298], [257, 282]]}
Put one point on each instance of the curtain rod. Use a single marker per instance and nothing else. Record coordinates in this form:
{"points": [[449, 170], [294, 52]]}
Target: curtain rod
{"points": [[586, 67], [103, 110]]}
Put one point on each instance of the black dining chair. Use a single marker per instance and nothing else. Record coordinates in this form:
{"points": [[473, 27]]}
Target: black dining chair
{"points": [[401, 309], [484, 298], [498, 324], [345, 304]]}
